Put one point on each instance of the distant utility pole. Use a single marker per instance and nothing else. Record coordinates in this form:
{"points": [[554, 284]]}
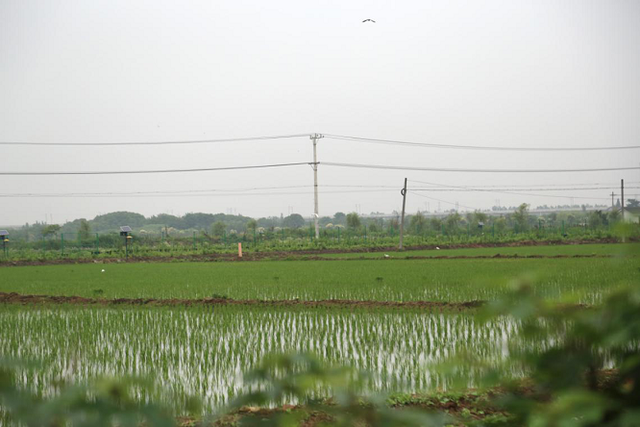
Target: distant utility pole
{"points": [[622, 206], [316, 216], [612, 205], [622, 198], [404, 201]]}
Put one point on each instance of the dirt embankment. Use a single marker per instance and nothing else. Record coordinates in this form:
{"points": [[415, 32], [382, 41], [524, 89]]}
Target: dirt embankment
{"points": [[461, 407], [15, 298], [496, 256]]}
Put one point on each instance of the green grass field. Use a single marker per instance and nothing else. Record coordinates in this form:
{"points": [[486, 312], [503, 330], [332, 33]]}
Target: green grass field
{"points": [[389, 280]]}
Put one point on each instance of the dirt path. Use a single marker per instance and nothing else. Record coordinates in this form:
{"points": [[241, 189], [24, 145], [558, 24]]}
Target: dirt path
{"points": [[15, 298]]}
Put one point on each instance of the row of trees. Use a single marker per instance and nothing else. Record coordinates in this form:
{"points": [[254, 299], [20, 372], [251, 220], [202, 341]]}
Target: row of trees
{"points": [[520, 220], [221, 224]]}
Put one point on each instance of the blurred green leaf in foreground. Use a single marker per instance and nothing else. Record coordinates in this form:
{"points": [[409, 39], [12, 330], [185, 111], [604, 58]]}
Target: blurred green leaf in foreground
{"points": [[588, 371], [108, 402]]}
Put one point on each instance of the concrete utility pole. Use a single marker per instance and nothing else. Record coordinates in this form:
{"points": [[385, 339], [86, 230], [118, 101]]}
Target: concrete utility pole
{"points": [[404, 201], [622, 198], [316, 216], [622, 207], [612, 205]]}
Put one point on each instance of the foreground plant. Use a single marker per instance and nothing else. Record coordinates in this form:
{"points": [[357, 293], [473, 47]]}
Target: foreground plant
{"points": [[302, 378], [589, 377], [107, 403]]}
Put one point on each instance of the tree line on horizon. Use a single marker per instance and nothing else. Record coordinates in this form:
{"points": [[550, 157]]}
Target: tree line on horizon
{"points": [[221, 224]]}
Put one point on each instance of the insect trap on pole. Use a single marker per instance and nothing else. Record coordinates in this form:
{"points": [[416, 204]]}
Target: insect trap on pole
{"points": [[125, 231], [4, 235]]}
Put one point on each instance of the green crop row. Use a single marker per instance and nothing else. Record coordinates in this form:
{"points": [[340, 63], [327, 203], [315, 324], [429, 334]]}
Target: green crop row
{"points": [[112, 246], [447, 280]]}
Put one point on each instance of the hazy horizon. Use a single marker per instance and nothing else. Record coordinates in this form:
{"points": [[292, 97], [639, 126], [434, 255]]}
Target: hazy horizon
{"points": [[496, 73]]}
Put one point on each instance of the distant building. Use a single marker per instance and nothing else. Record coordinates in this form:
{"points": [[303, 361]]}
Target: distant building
{"points": [[632, 215]]}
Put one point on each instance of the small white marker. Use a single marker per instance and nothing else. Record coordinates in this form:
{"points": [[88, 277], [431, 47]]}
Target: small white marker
{"points": [[103, 270]]}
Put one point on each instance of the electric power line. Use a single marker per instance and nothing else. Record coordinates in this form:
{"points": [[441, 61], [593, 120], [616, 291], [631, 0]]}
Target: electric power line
{"points": [[472, 147], [273, 165], [434, 169], [362, 189], [330, 136], [517, 192], [522, 194], [604, 185], [471, 207], [161, 194], [347, 165], [501, 189], [176, 142], [443, 201]]}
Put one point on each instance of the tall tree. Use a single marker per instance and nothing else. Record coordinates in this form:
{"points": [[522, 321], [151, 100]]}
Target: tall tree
{"points": [[218, 229], [418, 223], [84, 231], [50, 230], [452, 221], [353, 221], [435, 223], [597, 219], [293, 221], [252, 224], [521, 216], [339, 218], [479, 217]]}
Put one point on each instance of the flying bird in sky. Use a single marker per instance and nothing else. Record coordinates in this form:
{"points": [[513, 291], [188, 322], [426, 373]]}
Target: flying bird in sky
{"points": [[368, 20]]}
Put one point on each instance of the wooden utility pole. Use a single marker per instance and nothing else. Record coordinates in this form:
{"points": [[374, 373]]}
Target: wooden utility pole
{"points": [[404, 202], [316, 216]]}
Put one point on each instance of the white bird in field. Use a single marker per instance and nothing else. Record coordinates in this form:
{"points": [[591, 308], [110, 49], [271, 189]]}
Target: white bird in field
{"points": [[103, 270], [386, 256], [369, 20], [437, 248]]}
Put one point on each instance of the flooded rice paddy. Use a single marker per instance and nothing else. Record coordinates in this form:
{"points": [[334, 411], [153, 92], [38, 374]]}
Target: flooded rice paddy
{"points": [[205, 351]]}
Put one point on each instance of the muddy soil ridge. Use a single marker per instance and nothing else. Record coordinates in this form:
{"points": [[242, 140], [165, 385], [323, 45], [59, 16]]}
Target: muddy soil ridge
{"points": [[16, 298]]}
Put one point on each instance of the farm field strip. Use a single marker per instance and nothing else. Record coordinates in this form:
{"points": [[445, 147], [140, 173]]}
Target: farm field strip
{"points": [[599, 249], [463, 280], [395, 318], [203, 352], [519, 250]]}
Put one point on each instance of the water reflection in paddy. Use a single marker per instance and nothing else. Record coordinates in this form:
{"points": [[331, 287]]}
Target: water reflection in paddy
{"points": [[204, 351]]}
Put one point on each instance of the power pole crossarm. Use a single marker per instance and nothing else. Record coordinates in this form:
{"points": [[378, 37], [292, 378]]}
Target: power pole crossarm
{"points": [[316, 215]]}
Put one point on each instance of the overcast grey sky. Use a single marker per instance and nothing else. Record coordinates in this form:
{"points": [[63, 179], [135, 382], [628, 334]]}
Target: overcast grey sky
{"points": [[504, 73]]}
